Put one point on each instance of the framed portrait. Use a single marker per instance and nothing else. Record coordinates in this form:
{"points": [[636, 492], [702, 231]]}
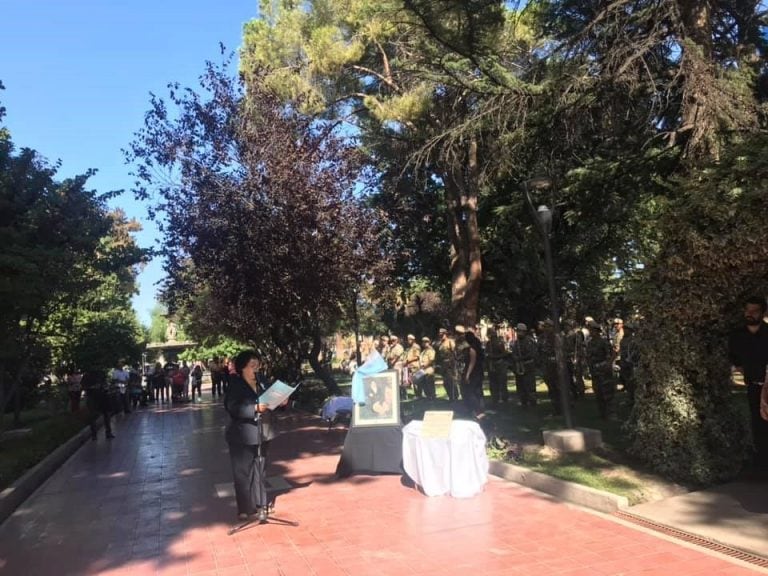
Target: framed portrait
{"points": [[382, 401]]}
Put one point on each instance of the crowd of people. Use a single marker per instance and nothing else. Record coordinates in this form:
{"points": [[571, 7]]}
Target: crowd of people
{"points": [[124, 388], [175, 382], [605, 355], [106, 393], [464, 356]]}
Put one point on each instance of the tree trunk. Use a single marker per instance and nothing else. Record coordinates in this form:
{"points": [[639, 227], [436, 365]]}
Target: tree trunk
{"points": [[458, 253], [2, 393], [17, 406], [319, 369], [15, 386], [464, 235], [475, 261], [15, 391], [699, 116]]}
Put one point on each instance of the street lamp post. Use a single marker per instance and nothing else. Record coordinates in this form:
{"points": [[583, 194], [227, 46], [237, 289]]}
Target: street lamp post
{"points": [[356, 320], [543, 216]]}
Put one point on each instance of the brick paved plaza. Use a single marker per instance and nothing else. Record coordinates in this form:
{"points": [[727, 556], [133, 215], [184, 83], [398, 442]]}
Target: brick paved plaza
{"points": [[158, 500]]}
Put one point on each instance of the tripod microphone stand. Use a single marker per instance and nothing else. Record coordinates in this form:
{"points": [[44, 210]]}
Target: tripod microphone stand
{"points": [[263, 516]]}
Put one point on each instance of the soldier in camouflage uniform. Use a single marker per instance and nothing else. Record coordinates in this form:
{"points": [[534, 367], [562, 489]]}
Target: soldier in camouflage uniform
{"points": [[412, 355], [383, 346], [549, 364], [575, 355], [427, 365], [600, 362], [395, 362], [446, 363], [628, 356], [461, 360], [524, 354], [395, 353], [496, 354]]}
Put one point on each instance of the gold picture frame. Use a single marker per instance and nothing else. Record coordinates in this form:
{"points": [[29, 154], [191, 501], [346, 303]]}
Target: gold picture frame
{"points": [[382, 400]]}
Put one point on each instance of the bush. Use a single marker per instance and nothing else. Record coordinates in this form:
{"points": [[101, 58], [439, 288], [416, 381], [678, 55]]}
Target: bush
{"points": [[685, 424], [713, 254]]}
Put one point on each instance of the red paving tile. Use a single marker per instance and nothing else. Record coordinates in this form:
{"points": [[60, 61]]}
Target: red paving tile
{"points": [[147, 504]]}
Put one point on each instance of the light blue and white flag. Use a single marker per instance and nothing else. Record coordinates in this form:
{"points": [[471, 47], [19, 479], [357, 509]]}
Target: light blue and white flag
{"points": [[372, 365]]}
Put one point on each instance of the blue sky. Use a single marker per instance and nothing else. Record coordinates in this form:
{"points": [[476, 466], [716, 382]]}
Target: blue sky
{"points": [[78, 74]]}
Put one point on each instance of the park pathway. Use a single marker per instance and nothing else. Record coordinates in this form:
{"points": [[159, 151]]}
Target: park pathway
{"points": [[158, 500]]}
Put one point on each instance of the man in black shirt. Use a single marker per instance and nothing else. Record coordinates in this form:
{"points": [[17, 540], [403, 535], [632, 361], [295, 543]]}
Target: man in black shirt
{"points": [[748, 348], [94, 383]]}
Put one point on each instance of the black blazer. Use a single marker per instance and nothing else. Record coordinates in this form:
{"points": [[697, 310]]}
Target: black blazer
{"points": [[240, 402]]}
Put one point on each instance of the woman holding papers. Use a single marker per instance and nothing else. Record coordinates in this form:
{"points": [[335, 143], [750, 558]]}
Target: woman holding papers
{"points": [[248, 436]]}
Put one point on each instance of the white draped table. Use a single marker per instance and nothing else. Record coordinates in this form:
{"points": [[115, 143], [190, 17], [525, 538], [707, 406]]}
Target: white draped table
{"points": [[457, 465]]}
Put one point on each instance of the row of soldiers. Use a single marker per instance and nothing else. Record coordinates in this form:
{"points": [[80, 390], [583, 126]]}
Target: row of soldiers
{"points": [[588, 353], [418, 363]]}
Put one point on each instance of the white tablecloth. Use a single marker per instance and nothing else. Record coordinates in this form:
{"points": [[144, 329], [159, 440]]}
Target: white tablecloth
{"points": [[457, 465]]}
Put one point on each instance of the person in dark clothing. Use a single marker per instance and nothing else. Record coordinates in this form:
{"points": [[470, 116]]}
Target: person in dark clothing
{"points": [[197, 382], [548, 359], [471, 373], [94, 383], [158, 383], [628, 358], [227, 370], [748, 351], [248, 436], [600, 362], [525, 354], [497, 366], [214, 366]]}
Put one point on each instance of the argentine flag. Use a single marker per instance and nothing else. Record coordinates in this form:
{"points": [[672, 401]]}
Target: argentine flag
{"points": [[372, 365]]}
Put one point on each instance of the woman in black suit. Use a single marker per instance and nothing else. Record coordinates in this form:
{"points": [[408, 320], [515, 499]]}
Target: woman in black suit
{"points": [[245, 435]]}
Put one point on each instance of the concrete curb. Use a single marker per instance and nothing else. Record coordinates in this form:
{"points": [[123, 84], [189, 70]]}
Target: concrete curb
{"points": [[568, 491], [15, 495]]}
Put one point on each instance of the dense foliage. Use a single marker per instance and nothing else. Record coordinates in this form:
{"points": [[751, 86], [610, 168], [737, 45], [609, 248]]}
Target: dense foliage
{"points": [[406, 79], [67, 272], [685, 422], [265, 240], [636, 113]]}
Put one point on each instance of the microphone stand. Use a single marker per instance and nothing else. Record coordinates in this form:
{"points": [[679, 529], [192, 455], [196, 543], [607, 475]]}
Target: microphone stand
{"points": [[262, 464]]}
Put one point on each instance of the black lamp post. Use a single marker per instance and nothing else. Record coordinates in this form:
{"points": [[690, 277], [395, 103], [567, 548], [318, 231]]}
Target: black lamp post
{"points": [[356, 320], [543, 217]]}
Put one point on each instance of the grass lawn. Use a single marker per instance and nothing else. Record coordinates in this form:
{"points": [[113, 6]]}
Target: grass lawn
{"points": [[19, 453]]}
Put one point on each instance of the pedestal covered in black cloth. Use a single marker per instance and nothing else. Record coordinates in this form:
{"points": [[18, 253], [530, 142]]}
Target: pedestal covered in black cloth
{"points": [[372, 450]]}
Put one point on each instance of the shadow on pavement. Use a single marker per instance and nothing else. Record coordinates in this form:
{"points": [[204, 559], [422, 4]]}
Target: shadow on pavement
{"points": [[151, 500]]}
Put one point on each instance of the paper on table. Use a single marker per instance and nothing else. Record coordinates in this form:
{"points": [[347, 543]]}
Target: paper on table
{"points": [[437, 424], [276, 394]]}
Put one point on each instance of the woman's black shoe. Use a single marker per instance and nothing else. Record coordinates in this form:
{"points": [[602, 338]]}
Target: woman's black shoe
{"points": [[262, 516]]}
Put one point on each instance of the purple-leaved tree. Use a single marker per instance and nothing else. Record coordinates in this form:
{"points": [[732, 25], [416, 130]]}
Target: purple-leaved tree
{"points": [[264, 237]]}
